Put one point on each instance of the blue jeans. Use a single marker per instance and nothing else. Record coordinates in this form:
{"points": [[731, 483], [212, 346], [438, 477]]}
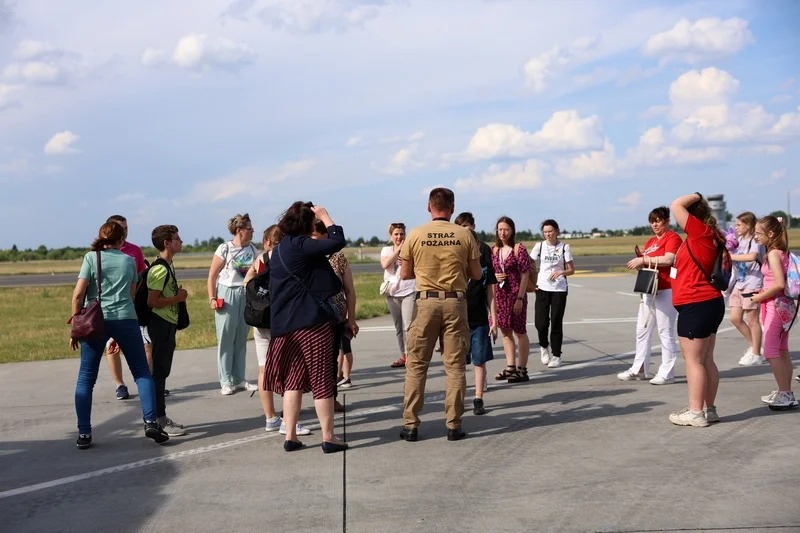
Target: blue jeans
{"points": [[129, 337]]}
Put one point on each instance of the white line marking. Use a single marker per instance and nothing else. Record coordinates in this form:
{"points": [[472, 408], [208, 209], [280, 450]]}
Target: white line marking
{"points": [[628, 294], [245, 440]]}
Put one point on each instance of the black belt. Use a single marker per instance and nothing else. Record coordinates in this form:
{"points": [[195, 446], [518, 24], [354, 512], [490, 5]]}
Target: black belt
{"points": [[436, 294]]}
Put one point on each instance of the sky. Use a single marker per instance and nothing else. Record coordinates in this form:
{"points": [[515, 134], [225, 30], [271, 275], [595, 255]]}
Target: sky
{"points": [[188, 112]]}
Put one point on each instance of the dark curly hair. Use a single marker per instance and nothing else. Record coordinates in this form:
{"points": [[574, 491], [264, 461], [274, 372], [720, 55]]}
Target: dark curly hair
{"points": [[298, 219]]}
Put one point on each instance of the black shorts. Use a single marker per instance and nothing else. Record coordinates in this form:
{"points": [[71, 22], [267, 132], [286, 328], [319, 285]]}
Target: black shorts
{"points": [[700, 320], [345, 345]]}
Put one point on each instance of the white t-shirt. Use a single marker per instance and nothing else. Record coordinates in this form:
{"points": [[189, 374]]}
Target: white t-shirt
{"points": [[399, 288], [237, 262], [549, 258]]}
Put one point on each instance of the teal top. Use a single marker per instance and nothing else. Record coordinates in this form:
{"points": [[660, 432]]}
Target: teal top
{"points": [[119, 274]]}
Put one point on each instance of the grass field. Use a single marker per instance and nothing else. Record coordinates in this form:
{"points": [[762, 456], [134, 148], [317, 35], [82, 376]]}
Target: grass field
{"points": [[580, 247], [34, 319]]}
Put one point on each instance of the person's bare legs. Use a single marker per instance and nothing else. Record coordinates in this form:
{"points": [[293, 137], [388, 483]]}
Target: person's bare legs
{"points": [[712, 372], [324, 410], [292, 400], [756, 333], [524, 346], [267, 401], [508, 346], [782, 370], [115, 367], [480, 380], [737, 319], [694, 351]]}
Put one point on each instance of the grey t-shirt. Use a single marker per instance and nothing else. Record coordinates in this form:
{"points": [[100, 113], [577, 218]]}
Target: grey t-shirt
{"points": [[748, 274]]}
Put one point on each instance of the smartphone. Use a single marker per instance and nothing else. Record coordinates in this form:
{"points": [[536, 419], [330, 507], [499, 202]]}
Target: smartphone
{"points": [[747, 294], [637, 251]]}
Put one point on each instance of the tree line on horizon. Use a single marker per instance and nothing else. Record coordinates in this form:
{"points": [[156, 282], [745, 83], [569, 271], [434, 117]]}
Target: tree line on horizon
{"points": [[41, 253]]}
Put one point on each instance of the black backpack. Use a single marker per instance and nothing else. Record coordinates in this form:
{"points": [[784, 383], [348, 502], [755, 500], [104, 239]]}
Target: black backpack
{"points": [[721, 270], [143, 311], [257, 298]]}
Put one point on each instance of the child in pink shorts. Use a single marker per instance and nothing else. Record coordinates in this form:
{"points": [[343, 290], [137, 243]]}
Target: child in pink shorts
{"points": [[777, 311]]}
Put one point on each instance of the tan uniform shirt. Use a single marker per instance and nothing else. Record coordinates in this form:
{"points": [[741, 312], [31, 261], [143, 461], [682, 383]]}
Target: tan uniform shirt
{"points": [[440, 252]]}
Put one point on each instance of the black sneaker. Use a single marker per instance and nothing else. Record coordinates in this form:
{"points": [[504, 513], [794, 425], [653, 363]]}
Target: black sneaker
{"points": [[122, 393], [154, 431], [456, 434], [477, 407], [409, 434], [84, 441]]}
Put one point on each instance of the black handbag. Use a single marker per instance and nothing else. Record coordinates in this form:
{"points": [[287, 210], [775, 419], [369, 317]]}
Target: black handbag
{"points": [[646, 280]]}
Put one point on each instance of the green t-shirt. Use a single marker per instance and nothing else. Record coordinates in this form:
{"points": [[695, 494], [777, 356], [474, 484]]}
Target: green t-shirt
{"points": [[119, 273], [155, 282]]}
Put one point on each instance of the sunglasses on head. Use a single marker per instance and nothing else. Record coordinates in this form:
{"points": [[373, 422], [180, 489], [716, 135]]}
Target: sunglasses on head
{"points": [[398, 225]]}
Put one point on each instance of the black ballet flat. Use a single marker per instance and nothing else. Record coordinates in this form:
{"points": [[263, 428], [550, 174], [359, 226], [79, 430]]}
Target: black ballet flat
{"points": [[292, 445], [332, 447]]}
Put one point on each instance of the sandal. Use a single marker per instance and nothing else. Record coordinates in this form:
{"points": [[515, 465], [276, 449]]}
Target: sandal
{"points": [[506, 374], [520, 375], [399, 363]]}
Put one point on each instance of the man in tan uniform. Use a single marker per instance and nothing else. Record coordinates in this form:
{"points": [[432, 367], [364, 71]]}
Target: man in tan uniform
{"points": [[440, 256]]}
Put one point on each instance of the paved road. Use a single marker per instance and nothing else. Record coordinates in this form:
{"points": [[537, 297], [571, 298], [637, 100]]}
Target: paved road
{"points": [[597, 263], [573, 450]]}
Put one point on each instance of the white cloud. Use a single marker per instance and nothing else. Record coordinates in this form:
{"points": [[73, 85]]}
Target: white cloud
{"points": [[7, 96], [547, 65], [655, 150], [257, 182], [34, 50], [788, 124], [630, 201], [307, 16], [198, 52], [768, 149], [565, 130], [595, 164], [696, 89], [596, 77], [426, 191], [61, 143], [526, 175], [34, 73], [153, 57], [403, 161], [353, 141], [781, 98], [703, 40]]}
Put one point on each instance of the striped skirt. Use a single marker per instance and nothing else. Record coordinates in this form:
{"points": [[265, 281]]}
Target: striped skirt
{"points": [[302, 360]]}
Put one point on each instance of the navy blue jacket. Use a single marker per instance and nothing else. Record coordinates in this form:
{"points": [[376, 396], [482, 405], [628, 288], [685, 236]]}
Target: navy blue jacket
{"points": [[291, 306]]}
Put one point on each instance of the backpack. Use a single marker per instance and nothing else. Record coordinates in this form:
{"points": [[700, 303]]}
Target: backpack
{"points": [[720, 277], [143, 311], [793, 277], [257, 298]]}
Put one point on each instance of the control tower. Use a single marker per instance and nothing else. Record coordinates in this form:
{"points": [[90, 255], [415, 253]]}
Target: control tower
{"points": [[718, 207]]}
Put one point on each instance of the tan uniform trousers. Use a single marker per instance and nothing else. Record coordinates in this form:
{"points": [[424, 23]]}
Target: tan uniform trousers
{"points": [[435, 317]]}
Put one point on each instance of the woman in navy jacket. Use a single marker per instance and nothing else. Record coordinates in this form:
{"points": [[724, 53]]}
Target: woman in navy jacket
{"points": [[300, 355]]}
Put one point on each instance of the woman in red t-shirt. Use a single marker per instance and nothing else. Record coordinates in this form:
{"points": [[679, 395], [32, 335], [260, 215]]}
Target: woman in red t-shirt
{"points": [[659, 252], [700, 306]]}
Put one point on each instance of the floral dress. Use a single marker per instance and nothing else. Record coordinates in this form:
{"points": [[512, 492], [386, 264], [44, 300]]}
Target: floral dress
{"points": [[505, 261]]}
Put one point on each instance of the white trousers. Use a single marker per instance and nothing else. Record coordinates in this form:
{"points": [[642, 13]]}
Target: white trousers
{"points": [[664, 317]]}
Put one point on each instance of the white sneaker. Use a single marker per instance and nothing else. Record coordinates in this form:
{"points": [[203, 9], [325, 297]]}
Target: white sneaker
{"points": [[769, 398], [545, 352], [245, 385], [798, 377], [685, 417], [172, 428], [753, 360], [784, 400], [658, 380], [273, 424], [300, 429], [629, 375], [748, 353], [226, 390], [555, 362]]}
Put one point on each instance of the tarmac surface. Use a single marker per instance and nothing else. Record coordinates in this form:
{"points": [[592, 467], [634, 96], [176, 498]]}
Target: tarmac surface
{"points": [[596, 263], [574, 449]]}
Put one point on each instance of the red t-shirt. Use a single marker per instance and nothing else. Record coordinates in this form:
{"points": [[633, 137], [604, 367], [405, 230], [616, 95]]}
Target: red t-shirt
{"points": [[135, 252], [691, 284], [655, 247]]}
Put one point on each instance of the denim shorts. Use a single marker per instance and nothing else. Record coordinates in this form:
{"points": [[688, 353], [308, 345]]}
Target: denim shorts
{"points": [[480, 345]]}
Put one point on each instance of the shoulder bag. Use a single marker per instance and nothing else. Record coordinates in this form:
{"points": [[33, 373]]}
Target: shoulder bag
{"points": [[88, 323], [531, 283], [328, 306]]}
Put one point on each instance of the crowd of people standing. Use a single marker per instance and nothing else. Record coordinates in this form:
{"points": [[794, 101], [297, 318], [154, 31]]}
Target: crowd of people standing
{"points": [[441, 284]]}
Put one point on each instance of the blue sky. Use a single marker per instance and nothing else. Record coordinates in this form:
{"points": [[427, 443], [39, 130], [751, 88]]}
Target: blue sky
{"points": [[187, 112]]}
